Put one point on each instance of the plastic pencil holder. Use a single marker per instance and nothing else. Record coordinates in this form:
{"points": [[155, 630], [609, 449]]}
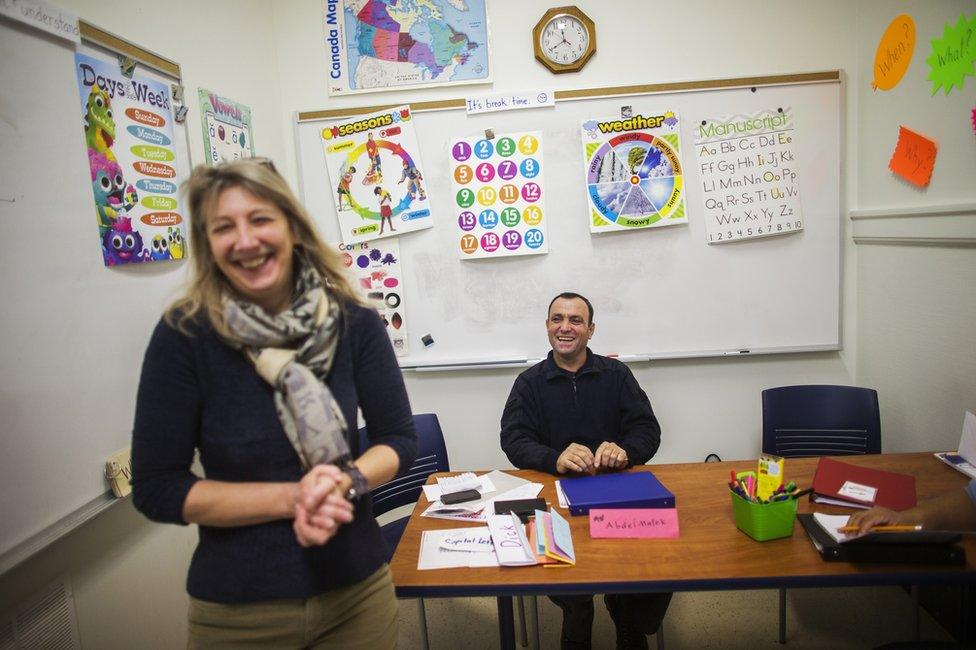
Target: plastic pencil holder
{"points": [[764, 521]]}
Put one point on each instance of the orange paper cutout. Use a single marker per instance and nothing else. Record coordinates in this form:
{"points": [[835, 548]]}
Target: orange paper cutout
{"points": [[894, 53], [914, 157]]}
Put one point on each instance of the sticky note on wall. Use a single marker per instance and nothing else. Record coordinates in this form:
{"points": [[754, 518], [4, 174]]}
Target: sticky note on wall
{"points": [[914, 157]]}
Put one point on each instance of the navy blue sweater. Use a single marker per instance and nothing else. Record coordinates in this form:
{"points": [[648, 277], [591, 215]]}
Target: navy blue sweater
{"points": [[549, 408], [196, 393]]}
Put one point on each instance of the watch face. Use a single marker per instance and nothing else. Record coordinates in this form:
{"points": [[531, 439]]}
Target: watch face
{"points": [[564, 40]]}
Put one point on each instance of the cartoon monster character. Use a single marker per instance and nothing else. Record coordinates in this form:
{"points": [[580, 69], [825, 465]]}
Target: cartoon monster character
{"points": [[160, 249], [121, 244], [175, 243], [99, 124], [113, 198]]}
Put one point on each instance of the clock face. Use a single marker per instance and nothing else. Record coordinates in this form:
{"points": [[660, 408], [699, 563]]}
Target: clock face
{"points": [[564, 39]]}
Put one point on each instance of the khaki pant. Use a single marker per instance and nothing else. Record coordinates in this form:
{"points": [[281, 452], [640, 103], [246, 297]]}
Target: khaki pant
{"points": [[363, 615]]}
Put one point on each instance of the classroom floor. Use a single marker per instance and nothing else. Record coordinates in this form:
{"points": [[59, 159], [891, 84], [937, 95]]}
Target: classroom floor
{"points": [[863, 617]]}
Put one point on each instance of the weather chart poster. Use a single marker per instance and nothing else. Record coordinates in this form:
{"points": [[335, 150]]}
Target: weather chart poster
{"points": [[226, 128], [499, 200], [377, 176], [375, 267], [749, 175], [634, 177], [128, 128]]}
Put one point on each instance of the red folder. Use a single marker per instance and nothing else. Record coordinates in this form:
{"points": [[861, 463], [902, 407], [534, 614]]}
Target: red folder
{"points": [[862, 487]]}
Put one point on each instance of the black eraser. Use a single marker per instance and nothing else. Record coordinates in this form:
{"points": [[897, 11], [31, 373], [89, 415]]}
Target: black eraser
{"points": [[427, 339]]}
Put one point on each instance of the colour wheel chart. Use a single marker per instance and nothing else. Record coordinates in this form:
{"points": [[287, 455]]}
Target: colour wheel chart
{"points": [[634, 175], [499, 196]]}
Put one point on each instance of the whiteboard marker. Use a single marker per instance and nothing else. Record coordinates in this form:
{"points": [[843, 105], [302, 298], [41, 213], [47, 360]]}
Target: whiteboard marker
{"points": [[733, 352]]}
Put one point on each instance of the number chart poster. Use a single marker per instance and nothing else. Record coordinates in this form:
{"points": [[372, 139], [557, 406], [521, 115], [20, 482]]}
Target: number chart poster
{"points": [[499, 198], [226, 128], [377, 176], [633, 172], [128, 129], [375, 267], [749, 175]]}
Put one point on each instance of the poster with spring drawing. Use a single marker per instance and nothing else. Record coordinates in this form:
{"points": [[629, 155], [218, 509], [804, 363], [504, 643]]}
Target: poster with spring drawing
{"points": [[376, 270], [128, 129], [376, 174], [633, 170], [499, 196]]}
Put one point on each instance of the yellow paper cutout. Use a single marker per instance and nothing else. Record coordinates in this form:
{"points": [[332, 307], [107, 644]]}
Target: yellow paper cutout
{"points": [[894, 53]]}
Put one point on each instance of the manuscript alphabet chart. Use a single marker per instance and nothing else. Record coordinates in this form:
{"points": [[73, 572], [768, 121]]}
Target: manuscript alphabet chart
{"points": [[749, 175], [499, 198]]}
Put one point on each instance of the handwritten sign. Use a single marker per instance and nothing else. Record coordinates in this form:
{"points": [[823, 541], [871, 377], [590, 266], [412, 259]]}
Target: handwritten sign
{"points": [[45, 16], [659, 523], [914, 157], [510, 101], [894, 53], [952, 55], [475, 539]]}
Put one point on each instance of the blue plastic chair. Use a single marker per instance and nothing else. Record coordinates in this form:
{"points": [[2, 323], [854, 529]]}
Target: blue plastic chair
{"points": [[819, 420], [406, 489]]}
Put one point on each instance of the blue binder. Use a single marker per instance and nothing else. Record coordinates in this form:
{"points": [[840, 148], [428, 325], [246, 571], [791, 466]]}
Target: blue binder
{"points": [[630, 490]]}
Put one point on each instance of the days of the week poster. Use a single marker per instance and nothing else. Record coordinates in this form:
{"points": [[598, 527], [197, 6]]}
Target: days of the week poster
{"points": [[376, 174], [128, 129]]}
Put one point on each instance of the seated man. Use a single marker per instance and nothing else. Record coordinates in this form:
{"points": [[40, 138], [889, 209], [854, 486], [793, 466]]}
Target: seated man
{"points": [[954, 510], [578, 412]]}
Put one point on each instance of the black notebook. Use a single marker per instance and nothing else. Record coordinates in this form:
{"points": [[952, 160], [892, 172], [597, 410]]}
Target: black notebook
{"points": [[869, 549]]}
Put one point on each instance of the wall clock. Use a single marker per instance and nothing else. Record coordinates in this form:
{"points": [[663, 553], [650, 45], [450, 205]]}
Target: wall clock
{"points": [[564, 39]]}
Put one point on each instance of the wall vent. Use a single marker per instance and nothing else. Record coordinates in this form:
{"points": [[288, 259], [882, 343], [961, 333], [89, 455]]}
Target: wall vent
{"points": [[47, 621]]}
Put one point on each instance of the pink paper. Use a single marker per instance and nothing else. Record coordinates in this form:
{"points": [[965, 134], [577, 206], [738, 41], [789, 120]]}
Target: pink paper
{"points": [[634, 522]]}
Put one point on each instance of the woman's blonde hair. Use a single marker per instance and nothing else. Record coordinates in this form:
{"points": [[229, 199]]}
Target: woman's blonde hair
{"points": [[207, 284]]}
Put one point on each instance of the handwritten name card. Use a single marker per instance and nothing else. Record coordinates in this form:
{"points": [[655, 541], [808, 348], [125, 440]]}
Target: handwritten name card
{"points": [[635, 522]]}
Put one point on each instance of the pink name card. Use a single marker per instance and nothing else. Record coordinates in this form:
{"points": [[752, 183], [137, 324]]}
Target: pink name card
{"points": [[634, 522]]}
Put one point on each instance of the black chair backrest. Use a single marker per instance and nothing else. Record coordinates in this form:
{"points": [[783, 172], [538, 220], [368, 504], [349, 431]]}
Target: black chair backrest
{"points": [[820, 420], [431, 457]]}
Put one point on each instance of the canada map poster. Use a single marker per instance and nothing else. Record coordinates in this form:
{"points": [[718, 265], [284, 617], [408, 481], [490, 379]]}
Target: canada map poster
{"points": [[750, 182], [226, 128], [499, 195], [376, 175], [128, 128], [376, 45], [375, 268], [633, 171]]}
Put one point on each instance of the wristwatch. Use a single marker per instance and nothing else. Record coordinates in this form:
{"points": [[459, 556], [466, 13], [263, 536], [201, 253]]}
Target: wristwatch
{"points": [[360, 486]]}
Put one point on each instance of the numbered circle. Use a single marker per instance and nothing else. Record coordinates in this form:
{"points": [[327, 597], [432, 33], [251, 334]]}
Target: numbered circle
{"points": [[529, 168], [507, 170], [533, 238], [512, 239], [488, 219], [467, 220], [469, 244], [486, 195], [508, 193], [485, 172], [506, 147], [463, 174], [532, 215], [531, 192], [490, 242], [483, 149], [511, 217], [461, 151], [465, 197], [528, 144]]}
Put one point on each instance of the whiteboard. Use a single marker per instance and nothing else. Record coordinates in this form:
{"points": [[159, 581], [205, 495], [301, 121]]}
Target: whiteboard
{"points": [[73, 331], [657, 293]]}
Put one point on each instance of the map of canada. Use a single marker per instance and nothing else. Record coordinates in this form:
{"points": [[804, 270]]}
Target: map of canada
{"points": [[396, 43]]}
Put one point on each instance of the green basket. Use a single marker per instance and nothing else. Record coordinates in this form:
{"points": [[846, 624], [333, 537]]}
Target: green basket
{"points": [[764, 521]]}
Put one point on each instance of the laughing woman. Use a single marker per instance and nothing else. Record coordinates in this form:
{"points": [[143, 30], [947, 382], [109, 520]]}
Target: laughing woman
{"points": [[261, 367]]}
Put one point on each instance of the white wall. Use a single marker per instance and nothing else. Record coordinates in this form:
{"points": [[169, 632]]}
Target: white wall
{"points": [[271, 56]]}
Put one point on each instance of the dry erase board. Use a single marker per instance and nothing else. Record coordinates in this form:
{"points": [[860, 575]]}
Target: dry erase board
{"points": [[73, 331], [658, 292]]}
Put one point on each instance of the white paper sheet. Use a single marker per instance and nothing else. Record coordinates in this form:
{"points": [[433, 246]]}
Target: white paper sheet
{"points": [[830, 524], [507, 487], [511, 544], [433, 492], [433, 556]]}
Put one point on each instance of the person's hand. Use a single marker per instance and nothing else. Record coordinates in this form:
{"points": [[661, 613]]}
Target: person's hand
{"points": [[320, 508], [610, 456], [876, 516], [575, 458]]}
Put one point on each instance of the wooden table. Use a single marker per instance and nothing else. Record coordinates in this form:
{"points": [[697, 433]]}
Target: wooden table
{"points": [[710, 554]]}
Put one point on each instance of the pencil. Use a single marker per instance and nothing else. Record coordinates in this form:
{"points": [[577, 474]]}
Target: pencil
{"points": [[908, 528]]}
